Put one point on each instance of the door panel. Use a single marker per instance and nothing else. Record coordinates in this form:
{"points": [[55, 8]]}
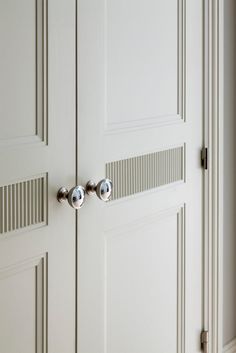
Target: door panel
{"points": [[140, 75], [135, 283], [142, 85], [23, 38], [23, 292], [37, 156]]}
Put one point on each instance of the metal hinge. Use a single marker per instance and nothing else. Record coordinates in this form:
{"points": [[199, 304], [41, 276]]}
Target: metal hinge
{"points": [[204, 158], [205, 341]]}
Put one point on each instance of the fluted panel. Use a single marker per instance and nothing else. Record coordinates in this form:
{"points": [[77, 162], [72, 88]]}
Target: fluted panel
{"points": [[141, 173], [22, 204]]}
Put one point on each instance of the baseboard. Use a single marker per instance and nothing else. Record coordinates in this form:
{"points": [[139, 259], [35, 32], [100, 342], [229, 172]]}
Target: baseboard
{"points": [[230, 347]]}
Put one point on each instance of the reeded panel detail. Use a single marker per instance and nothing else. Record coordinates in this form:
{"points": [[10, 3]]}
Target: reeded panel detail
{"points": [[23, 204], [23, 305], [138, 174], [23, 71]]}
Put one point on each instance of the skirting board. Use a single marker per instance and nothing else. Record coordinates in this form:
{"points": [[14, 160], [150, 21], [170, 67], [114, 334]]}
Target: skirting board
{"points": [[230, 347]]}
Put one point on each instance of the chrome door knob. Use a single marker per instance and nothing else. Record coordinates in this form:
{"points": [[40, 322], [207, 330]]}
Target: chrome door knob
{"points": [[75, 197], [103, 189]]}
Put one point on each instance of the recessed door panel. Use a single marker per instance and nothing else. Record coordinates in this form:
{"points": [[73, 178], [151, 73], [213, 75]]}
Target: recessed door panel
{"points": [[24, 294], [135, 298], [23, 69], [144, 69]]}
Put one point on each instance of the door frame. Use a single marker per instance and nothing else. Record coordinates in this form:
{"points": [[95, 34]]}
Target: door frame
{"points": [[213, 179]]}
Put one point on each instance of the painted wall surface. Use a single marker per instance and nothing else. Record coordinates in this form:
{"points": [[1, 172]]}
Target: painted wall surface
{"points": [[229, 271]]}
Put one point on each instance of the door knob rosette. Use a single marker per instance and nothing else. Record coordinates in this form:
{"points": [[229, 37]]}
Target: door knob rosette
{"points": [[103, 189], [75, 197]]}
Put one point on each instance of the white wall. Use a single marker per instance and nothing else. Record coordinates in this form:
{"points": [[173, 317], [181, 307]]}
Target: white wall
{"points": [[229, 302]]}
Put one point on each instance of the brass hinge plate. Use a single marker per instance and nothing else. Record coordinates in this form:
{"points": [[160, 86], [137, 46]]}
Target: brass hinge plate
{"points": [[205, 341], [204, 158]]}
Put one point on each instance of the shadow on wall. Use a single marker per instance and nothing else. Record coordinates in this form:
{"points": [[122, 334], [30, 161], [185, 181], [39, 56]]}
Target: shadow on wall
{"points": [[229, 271]]}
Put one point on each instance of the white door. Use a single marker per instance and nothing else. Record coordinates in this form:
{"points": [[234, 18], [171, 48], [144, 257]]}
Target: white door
{"points": [[37, 156], [140, 105]]}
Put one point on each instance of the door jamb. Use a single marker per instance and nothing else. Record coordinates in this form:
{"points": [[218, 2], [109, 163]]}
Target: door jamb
{"points": [[213, 134]]}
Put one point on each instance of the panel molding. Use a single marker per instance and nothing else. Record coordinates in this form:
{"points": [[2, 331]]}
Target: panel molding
{"points": [[169, 118], [178, 212], [42, 68], [230, 347], [41, 79], [181, 280], [40, 264], [142, 173], [23, 204]]}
